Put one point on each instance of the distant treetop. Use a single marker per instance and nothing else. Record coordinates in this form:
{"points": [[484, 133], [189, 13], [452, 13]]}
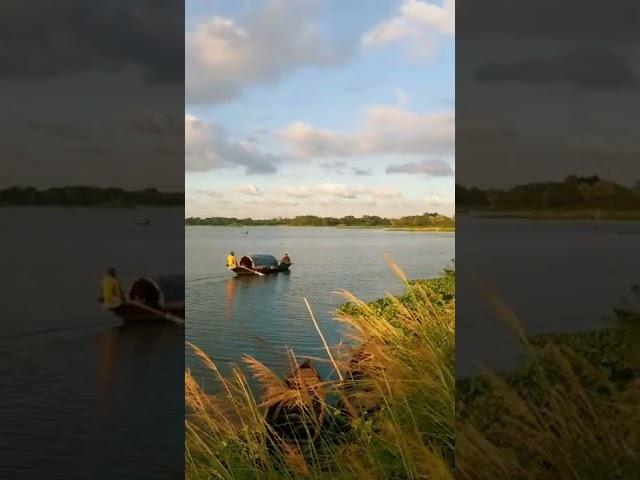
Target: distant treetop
{"points": [[89, 196]]}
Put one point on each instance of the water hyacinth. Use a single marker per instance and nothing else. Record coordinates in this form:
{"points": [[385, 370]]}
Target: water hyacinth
{"points": [[392, 415]]}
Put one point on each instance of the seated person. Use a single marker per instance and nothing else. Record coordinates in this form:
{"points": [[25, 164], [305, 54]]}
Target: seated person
{"points": [[286, 259], [112, 294]]}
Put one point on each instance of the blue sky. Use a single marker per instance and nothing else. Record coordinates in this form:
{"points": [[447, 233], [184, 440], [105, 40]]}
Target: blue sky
{"points": [[319, 107]]}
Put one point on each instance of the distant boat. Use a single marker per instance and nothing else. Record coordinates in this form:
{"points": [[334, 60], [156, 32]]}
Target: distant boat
{"points": [[244, 233], [146, 223], [261, 264], [158, 298]]}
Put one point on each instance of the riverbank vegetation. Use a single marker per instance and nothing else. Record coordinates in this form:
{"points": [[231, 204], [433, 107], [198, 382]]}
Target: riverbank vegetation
{"points": [[393, 408], [573, 198], [426, 220], [389, 413], [86, 196], [570, 411]]}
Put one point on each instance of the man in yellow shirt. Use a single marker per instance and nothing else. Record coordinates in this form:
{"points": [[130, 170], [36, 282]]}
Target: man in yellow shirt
{"points": [[111, 290], [231, 261]]}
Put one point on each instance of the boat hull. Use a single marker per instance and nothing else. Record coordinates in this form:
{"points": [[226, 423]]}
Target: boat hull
{"points": [[131, 312], [241, 271]]}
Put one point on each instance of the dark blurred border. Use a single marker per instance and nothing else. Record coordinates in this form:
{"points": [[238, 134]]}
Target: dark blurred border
{"points": [[548, 211], [92, 176]]}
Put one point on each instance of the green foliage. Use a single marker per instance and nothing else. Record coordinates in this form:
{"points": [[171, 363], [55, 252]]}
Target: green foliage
{"points": [[391, 417], [89, 196], [441, 293], [572, 193], [558, 415], [426, 220]]}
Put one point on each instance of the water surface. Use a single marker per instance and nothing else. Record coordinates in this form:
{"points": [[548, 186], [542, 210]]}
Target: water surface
{"points": [[81, 394], [229, 316], [557, 276]]}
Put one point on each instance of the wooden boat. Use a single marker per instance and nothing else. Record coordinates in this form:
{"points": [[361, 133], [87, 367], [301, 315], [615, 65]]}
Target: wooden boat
{"points": [[158, 298], [261, 264]]}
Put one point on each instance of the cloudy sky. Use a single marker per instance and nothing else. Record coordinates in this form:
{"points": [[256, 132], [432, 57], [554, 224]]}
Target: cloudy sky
{"points": [[319, 107], [92, 93], [542, 96]]}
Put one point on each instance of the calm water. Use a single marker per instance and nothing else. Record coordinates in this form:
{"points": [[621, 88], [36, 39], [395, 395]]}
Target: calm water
{"points": [[80, 393], [556, 276], [229, 316]]}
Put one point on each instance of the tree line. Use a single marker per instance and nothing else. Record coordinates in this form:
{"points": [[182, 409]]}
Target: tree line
{"points": [[89, 196], [574, 192], [424, 220]]}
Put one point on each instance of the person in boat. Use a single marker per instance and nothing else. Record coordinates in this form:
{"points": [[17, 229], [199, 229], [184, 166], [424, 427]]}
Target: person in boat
{"points": [[286, 259], [231, 260], [111, 290]]}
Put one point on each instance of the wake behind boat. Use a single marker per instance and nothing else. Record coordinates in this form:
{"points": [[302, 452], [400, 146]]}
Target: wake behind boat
{"points": [[159, 298], [258, 264]]}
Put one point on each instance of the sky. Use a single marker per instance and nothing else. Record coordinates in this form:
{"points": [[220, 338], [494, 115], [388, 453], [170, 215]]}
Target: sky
{"points": [[92, 93], [543, 96], [327, 108]]}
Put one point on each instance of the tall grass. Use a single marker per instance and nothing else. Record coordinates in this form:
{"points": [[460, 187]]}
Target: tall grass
{"points": [[391, 417], [571, 411]]}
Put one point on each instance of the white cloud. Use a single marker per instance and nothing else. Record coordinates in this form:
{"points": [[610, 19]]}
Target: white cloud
{"points": [[431, 168], [275, 202], [249, 190], [204, 193], [419, 22], [340, 190], [224, 56], [298, 192], [207, 148], [437, 200], [386, 130]]}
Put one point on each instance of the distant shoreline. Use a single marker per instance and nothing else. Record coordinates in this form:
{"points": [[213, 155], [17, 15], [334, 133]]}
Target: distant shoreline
{"points": [[346, 227], [114, 206], [579, 214]]}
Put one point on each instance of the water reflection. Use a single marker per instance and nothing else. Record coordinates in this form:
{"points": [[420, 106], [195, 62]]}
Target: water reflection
{"points": [[114, 348], [229, 293]]}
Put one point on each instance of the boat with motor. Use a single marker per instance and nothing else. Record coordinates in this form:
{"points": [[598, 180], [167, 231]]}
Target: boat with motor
{"points": [[153, 298], [260, 264]]}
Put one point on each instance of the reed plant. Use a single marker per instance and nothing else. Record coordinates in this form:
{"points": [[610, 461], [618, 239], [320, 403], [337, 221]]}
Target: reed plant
{"points": [[570, 411], [389, 414]]}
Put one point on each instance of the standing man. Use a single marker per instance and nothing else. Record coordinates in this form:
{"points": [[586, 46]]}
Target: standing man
{"points": [[111, 290], [231, 261]]}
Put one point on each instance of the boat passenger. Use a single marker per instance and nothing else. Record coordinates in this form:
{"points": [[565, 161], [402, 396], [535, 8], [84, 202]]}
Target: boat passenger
{"points": [[111, 290], [286, 259], [231, 261]]}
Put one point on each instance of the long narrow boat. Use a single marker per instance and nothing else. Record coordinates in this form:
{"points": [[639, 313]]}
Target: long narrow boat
{"points": [[158, 298], [260, 264]]}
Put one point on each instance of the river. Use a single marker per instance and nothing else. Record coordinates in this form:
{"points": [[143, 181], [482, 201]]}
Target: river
{"points": [[229, 316], [81, 395], [556, 276]]}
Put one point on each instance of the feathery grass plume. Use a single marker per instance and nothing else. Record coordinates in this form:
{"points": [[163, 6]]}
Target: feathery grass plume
{"points": [[392, 416], [566, 413]]}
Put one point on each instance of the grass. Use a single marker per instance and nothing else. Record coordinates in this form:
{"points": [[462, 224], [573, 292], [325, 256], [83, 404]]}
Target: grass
{"points": [[570, 411], [392, 417]]}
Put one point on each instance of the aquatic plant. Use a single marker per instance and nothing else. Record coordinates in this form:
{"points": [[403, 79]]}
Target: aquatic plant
{"points": [[392, 415], [570, 411]]}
